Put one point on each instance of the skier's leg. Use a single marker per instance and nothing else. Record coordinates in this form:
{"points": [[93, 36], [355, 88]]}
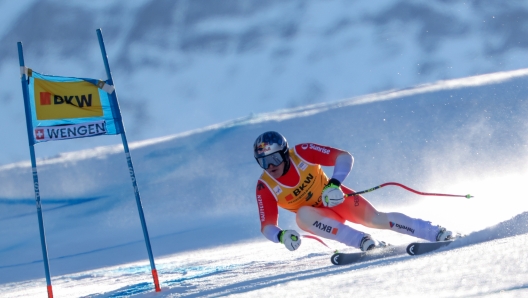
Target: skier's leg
{"points": [[325, 223], [358, 210]]}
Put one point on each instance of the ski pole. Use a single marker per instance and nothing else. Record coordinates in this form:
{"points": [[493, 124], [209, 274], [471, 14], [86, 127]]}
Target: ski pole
{"points": [[319, 240], [407, 188]]}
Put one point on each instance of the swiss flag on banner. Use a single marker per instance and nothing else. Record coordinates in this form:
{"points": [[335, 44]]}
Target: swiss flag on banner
{"points": [[39, 134]]}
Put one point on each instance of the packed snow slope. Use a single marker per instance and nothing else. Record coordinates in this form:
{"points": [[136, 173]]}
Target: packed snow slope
{"points": [[461, 136], [180, 65]]}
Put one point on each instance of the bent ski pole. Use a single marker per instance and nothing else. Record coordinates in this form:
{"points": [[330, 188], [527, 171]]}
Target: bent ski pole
{"points": [[319, 240], [407, 188]]}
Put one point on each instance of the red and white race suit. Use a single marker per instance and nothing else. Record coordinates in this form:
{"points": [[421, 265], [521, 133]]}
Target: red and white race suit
{"points": [[300, 190], [302, 186]]}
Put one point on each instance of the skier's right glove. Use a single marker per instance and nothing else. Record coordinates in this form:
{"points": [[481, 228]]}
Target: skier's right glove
{"points": [[332, 194], [290, 239]]}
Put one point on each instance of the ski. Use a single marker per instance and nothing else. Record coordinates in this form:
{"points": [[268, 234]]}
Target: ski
{"points": [[341, 258], [413, 249], [418, 248]]}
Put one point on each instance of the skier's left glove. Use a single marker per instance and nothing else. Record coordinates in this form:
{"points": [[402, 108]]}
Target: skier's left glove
{"points": [[290, 239], [332, 194]]}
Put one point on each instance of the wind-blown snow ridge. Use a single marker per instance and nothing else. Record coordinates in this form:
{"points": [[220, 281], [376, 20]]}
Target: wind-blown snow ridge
{"points": [[518, 225], [288, 53], [284, 114]]}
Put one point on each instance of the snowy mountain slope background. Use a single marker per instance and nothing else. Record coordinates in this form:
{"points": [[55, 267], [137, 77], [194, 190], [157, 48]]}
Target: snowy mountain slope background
{"points": [[461, 136], [186, 64]]}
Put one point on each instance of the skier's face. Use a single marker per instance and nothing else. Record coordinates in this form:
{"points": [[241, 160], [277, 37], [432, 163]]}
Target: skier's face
{"points": [[276, 171]]}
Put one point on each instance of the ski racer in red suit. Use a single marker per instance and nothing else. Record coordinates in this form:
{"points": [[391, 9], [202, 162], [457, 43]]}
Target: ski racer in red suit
{"points": [[293, 179]]}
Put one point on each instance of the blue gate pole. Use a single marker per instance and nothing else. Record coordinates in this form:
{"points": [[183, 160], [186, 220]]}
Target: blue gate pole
{"points": [[121, 127], [31, 141]]}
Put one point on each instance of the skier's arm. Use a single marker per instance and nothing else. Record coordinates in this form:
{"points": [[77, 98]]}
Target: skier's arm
{"points": [[268, 212], [343, 166], [341, 160], [269, 219]]}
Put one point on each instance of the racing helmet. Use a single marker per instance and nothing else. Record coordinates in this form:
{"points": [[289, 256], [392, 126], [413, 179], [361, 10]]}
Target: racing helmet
{"points": [[271, 148]]}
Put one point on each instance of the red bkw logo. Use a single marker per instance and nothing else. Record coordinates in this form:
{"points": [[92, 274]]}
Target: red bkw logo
{"points": [[45, 98]]}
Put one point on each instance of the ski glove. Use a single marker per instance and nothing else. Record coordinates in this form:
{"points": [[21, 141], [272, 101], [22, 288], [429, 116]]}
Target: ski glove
{"points": [[332, 194], [290, 239]]}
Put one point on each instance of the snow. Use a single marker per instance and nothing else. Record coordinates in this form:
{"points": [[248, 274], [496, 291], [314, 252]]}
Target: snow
{"points": [[169, 57], [197, 187]]}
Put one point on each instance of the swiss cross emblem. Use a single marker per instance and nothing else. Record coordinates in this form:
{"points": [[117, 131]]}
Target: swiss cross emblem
{"points": [[39, 134]]}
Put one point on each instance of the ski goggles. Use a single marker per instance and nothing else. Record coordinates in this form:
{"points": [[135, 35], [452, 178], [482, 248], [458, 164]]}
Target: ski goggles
{"points": [[272, 159]]}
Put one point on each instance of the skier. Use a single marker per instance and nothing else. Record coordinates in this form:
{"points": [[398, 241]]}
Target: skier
{"points": [[293, 179]]}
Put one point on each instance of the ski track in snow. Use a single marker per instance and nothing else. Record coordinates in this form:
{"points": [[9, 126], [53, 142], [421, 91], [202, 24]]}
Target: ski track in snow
{"points": [[292, 271], [233, 270]]}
